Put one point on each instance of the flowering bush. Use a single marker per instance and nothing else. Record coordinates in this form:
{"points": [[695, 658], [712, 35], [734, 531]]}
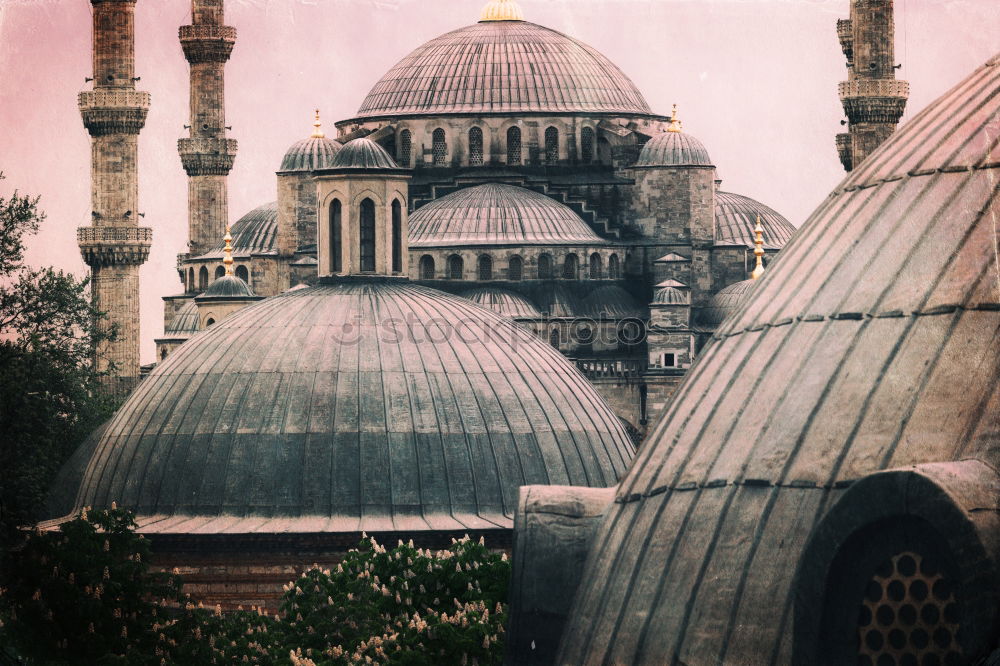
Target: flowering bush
{"points": [[86, 595]]}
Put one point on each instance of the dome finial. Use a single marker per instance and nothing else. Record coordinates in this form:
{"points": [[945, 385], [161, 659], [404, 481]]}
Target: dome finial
{"points": [[675, 124], [227, 252], [318, 128], [501, 10], [758, 249]]}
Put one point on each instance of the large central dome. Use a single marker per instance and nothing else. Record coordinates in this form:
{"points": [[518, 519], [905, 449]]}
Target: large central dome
{"points": [[503, 67], [361, 405]]}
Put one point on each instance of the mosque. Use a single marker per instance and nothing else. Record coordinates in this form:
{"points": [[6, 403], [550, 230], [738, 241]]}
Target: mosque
{"points": [[384, 349]]}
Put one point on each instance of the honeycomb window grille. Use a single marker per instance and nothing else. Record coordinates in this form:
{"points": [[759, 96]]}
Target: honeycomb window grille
{"points": [[427, 267], [571, 267], [554, 338], [514, 145], [485, 267], [614, 267], [909, 614], [366, 237], [595, 266], [544, 267], [587, 145], [439, 147], [405, 146], [515, 268], [475, 146], [456, 267], [551, 145]]}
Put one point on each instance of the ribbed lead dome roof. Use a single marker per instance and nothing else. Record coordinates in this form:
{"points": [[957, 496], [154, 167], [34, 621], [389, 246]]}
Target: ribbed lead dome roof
{"points": [[254, 233], [185, 321], [503, 301], [503, 67], [309, 154], [673, 149], [736, 217], [498, 214], [313, 411], [228, 286], [870, 344], [363, 153]]}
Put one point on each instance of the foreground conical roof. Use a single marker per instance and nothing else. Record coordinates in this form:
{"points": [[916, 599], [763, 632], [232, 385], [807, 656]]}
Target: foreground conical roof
{"points": [[360, 405], [872, 343]]}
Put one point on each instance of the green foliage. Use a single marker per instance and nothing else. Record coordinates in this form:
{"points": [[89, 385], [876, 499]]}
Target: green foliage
{"points": [[85, 595], [50, 396]]}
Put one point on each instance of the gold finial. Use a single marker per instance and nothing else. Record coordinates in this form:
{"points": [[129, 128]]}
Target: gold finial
{"points": [[318, 131], [227, 252], [675, 125], [501, 10], [758, 250]]}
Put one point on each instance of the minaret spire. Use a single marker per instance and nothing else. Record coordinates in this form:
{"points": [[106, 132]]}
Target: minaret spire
{"points": [[873, 99], [114, 246], [207, 154]]}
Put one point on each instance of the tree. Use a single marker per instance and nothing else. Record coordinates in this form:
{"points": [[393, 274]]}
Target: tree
{"points": [[50, 395]]}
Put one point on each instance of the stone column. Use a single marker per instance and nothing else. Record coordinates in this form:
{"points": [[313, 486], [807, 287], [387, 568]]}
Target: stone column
{"points": [[207, 155], [114, 246]]}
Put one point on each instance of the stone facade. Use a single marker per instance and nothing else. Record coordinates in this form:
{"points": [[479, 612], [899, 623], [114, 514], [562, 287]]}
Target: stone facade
{"points": [[114, 246], [873, 99]]}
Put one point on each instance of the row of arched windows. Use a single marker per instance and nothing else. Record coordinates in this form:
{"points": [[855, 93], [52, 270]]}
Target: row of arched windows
{"points": [[439, 146], [366, 236], [455, 269], [202, 284]]}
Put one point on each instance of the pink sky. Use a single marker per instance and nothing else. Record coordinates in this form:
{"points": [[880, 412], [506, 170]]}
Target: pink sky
{"points": [[755, 80]]}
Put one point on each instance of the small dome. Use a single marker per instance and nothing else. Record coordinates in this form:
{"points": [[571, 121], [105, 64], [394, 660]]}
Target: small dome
{"points": [[310, 406], [363, 153], [727, 301], [498, 214], [309, 154], [184, 322], [671, 296], [501, 10], [228, 286], [611, 302], [254, 233], [673, 149], [736, 217], [503, 301]]}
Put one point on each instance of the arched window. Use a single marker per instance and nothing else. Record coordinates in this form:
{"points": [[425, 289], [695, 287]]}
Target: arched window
{"points": [[366, 236], [595, 266], [219, 271], [485, 267], [614, 268], [203, 278], [514, 145], [515, 267], [571, 267], [586, 145], [554, 337], [243, 274], [427, 267], [336, 237], [475, 146], [190, 284], [397, 237], [209, 322], [439, 147], [544, 266], [551, 145], [163, 354], [456, 267], [405, 145]]}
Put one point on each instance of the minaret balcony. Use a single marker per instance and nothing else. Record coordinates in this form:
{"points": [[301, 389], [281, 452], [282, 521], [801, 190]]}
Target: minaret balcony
{"points": [[874, 100], [844, 150], [207, 43], [113, 111], [114, 246], [207, 156], [845, 33]]}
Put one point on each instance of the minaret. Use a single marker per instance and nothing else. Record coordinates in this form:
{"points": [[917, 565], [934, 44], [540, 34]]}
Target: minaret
{"points": [[207, 155], [872, 97], [114, 246]]}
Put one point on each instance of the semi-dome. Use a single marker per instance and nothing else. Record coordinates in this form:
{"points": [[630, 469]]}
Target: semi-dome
{"points": [[736, 217], [503, 301], [363, 153], [503, 66], [842, 426], [498, 214], [358, 405], [227, 286], [611, 302], [184, 322], [668, 149], [727, 301], [254, 233]]}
